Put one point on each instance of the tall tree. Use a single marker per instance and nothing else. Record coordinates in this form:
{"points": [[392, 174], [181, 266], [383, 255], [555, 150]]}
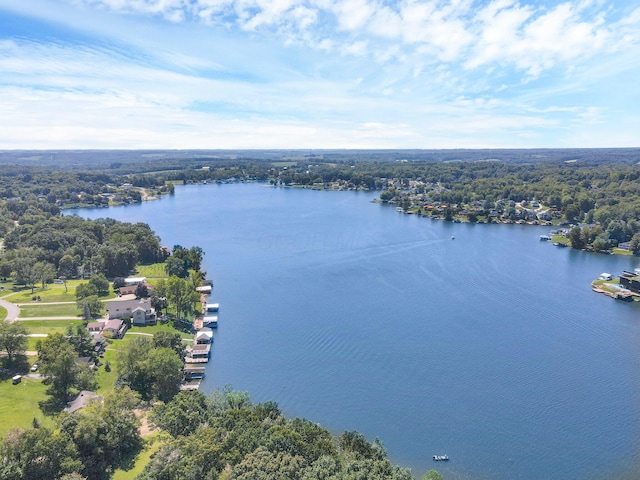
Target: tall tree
{"points": [[181, 294], [58, 366], [13, 339]]}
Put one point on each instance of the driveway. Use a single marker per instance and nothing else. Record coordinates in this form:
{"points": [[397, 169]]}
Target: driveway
{"points": [[12, 309]]}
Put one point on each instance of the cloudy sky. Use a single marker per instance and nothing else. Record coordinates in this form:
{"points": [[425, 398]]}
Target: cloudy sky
{"points": [[319, 73]]}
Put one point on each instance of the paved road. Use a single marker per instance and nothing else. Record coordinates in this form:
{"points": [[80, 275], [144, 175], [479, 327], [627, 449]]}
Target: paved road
{"points": [[12, 309]]}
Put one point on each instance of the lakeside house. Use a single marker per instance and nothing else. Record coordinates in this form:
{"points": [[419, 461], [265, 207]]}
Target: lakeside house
{"points": [[138, 309], [631, 281]]}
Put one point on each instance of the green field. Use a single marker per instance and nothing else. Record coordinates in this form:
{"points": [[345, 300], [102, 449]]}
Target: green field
{"points": [[64, 310], [153, 271], [49, 326], [51, 293], [19, 405], [3, 313], [160, 327]]}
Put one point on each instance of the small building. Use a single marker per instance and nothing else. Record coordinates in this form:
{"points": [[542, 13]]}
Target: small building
{"points": [[193, 372], [204, 289], [630, 281], [95, 327], [116, 327], [210, 321], [606, 276], [212, 307], [134, 280], [205, 335]]}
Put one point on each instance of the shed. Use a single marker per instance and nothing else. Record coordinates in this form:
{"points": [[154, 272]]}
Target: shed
{"points": [[606, 276]]}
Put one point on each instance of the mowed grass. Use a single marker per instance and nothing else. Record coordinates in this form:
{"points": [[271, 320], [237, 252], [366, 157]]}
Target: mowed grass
{"points": [[64, 310], [105, 379], [52, 293], [155, 270], [3, 313], [160, 327], [49, 326], [19, 404]]}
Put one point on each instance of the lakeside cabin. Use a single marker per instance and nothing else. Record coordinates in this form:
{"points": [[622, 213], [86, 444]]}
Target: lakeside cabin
{"points": [[606, 276]]}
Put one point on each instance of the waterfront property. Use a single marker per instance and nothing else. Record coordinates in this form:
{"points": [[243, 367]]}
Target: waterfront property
{"points": [[630, 281], [138, 309]]}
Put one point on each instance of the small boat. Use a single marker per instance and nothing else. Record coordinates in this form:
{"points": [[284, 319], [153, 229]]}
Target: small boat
{"points": [[440, 458], [452, 237], [545, 238]]}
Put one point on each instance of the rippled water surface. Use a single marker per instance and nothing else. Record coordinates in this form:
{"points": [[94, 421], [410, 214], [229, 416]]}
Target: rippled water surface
{"points": [[490, 347]]}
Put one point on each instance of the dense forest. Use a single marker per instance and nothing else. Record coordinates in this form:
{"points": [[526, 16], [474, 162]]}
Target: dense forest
{"points": [[223, 436]]}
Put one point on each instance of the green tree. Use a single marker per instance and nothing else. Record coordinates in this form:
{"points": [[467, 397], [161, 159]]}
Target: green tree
{"points": [[13, 339], [575, 238], [91, 306], [171, 340], [183, 414], [166, 371], [58, 366], [432, 475], [177, 267], [37, 454], [181, 294], [100, 282], [46, 272], [84, 290]]}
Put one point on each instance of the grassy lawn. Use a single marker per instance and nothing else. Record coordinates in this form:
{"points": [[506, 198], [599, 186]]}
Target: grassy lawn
{"points": [[52, 293], [65, 310], [19, 404], [160, 327], [32, 343], [155, 270], [620, 251], [49, 326], [3, 313], [107, 379], [152, 445]]}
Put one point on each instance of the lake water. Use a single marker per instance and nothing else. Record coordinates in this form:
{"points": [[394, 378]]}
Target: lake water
{"points": [[490, 347]]}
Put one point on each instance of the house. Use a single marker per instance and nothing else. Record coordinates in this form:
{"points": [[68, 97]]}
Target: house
{"points": [[138, 309], [116, 327], [134, 280], [142, 316], [630, 281], [606, 276], [128, 290], [95, 327]]}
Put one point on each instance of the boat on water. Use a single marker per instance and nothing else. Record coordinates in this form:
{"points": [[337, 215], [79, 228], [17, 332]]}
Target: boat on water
{"points": [[452, 237], [545, 238], [440, 458]]}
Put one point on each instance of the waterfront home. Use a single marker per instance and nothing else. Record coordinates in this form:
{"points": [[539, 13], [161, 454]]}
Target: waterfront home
{"points": [[606, 276], [138, 309], [631, 281]]}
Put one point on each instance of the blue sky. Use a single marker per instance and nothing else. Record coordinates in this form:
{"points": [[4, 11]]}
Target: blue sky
{"points": [[319, 74]]}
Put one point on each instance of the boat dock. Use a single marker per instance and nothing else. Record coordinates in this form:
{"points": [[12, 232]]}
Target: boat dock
{"points": [[198, 354]]}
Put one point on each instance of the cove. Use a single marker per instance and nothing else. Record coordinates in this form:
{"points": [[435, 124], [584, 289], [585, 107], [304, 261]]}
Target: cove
{"points": [[490, 348]]}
